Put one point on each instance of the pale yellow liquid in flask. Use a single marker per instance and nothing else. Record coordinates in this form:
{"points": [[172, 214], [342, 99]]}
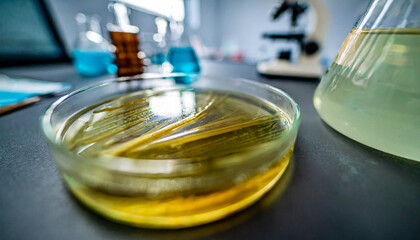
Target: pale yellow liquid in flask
{"points": [[371, 93]]}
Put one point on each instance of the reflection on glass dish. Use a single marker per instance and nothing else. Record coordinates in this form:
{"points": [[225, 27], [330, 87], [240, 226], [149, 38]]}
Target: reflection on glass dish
{"points": [[173, 157]]}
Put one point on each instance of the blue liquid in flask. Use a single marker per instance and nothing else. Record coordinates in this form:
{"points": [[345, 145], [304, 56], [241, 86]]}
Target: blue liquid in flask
{"points": [[184, 60], [93, 63]]}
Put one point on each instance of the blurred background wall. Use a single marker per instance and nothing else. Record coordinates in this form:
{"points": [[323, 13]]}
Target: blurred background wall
{"points": [[232, 25], [242, 22]]}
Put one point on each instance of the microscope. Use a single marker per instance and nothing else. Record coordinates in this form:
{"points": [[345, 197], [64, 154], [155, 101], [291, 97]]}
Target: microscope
{"points": [[308, 64]]}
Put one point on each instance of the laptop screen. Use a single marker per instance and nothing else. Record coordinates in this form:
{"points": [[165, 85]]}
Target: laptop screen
{"points": [[27, 35]]}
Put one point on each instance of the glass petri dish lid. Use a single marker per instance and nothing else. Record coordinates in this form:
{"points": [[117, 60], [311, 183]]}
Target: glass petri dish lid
{"points": [[156, 154]]}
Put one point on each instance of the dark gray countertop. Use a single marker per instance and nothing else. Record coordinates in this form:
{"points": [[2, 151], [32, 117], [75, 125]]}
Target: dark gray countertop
{"points": [[335, 189]]}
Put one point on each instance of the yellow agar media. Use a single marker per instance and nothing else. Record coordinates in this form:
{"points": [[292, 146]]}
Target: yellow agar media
{"points": [[203, 127]]}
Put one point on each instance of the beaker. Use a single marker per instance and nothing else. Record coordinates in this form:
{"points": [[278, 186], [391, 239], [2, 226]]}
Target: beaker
{"points": [[371, 91]]}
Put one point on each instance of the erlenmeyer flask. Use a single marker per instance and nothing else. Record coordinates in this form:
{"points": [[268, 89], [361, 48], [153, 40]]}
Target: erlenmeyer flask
{"points": [[371, 92], [91, 54]]}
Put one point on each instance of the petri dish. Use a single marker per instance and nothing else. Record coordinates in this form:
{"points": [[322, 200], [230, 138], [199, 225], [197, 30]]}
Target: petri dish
{"points": [[157, 154]]}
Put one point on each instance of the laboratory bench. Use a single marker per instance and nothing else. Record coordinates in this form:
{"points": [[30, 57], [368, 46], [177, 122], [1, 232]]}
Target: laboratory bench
{"points": [[335, 188]]}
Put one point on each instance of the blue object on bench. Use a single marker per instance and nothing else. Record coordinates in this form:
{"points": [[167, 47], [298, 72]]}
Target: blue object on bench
{"points": [[184, 60], [93, 63], [15, 90]]}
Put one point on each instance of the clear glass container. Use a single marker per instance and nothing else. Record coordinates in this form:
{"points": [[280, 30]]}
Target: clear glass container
{"points": [[154, 47], [91, 54], [371, 92], [174, 192]]}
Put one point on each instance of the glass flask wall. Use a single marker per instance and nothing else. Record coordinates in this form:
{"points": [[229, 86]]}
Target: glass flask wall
{"points": [[371, 91], [91, 54]]}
